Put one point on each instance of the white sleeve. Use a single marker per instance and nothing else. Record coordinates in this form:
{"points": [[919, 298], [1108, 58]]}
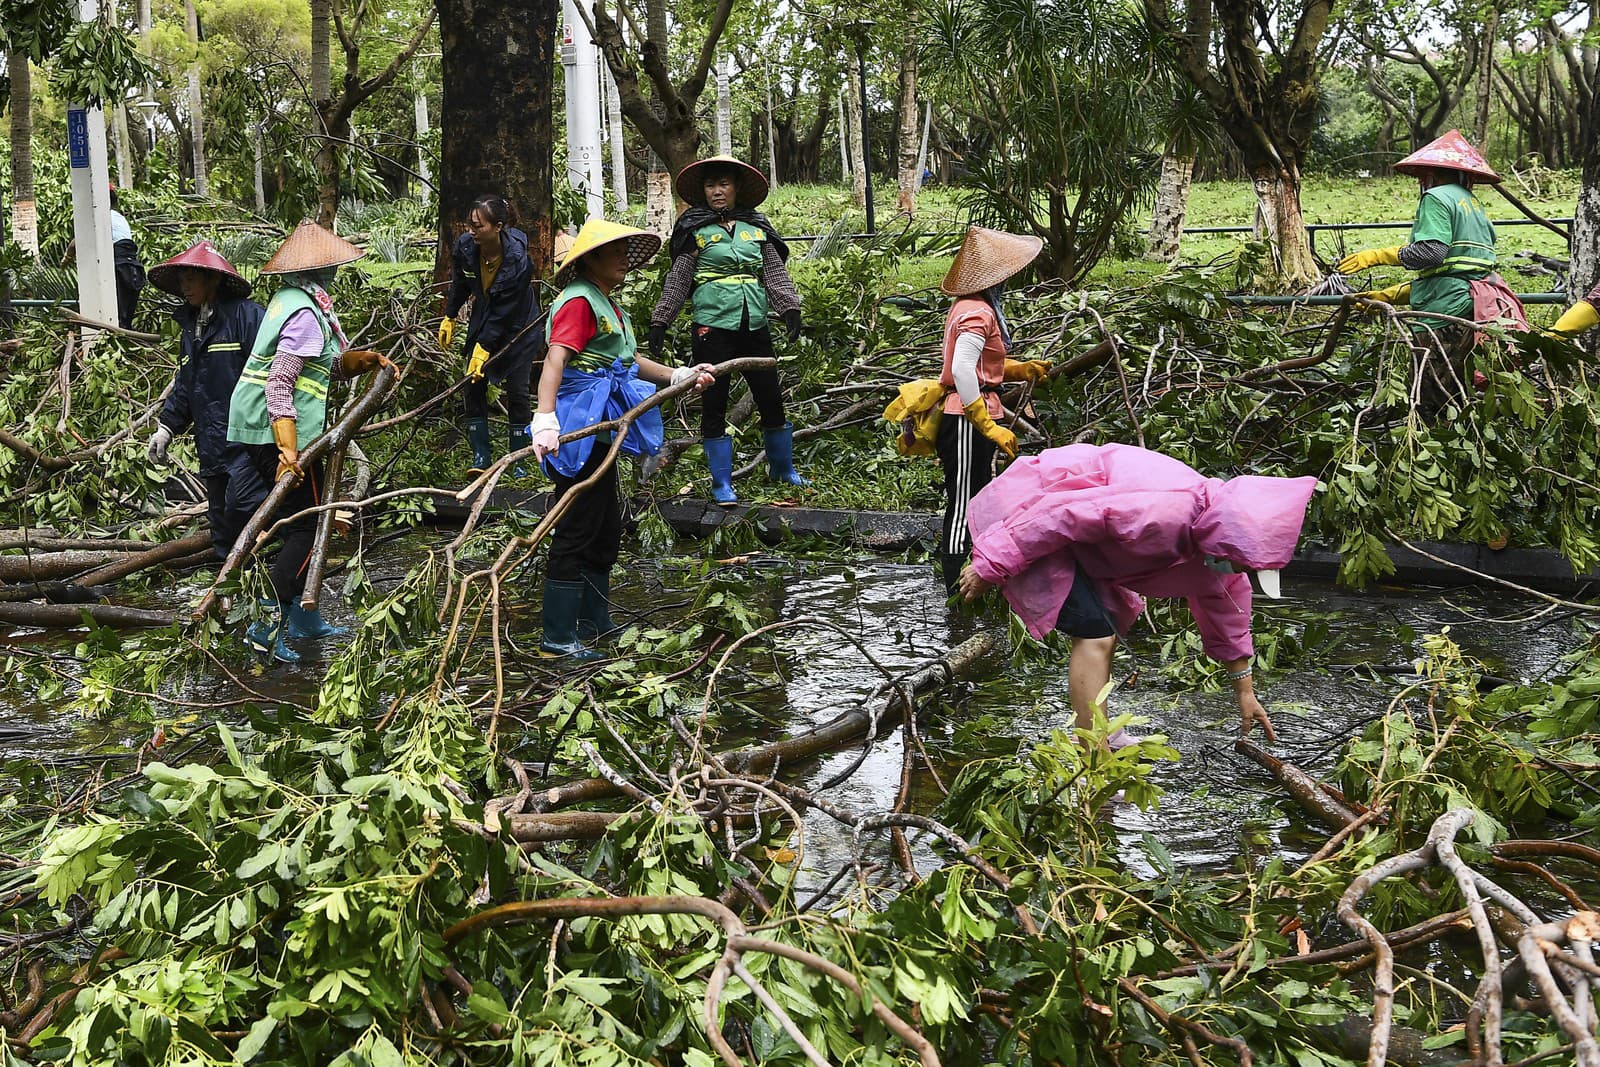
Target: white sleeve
{"points": [[964, 366]]}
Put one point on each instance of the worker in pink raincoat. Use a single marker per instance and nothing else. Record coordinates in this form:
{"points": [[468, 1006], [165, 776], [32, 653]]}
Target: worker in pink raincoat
{"points": [[1077, 537]]}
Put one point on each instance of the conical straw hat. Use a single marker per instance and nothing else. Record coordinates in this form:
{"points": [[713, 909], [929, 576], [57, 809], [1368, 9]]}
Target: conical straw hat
{"points": [[310, 247], [691, 188], [642, 244], [988, 257], [563, 246], [1450, 152], [202, 255]]}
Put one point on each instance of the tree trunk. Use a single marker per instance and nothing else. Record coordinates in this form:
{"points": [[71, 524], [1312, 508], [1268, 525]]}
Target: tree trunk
{"points": [[1585, 270], [1480, 122], [197, 125], [858, 162], [518, 74], [772, 139], [844, 139], [619, 153], [321, 57], [910, 174], [659, 209], [1280, 219], [329, 163], [260, 185], [24, 212], [1172, 203]]}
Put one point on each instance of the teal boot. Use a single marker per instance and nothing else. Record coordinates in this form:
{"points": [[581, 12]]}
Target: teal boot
{"points": [[780, 455], [267, 637], [520, 439], [478, 438], [561, 601], [719, 457], [594, 608], [310, 623]]}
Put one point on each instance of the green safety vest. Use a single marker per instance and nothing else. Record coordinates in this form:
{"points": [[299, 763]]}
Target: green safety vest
{"points": [[248, 420], [1452, 214], [613, 338], [728, 291]]}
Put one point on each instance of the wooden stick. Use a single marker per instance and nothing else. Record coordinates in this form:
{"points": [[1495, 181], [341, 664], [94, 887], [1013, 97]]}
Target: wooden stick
{"points": [[318, 562]]}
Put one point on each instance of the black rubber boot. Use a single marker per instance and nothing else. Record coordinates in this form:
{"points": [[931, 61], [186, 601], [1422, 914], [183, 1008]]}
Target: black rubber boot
{"points": [[594, 608], [561, 622], [950, 567]]}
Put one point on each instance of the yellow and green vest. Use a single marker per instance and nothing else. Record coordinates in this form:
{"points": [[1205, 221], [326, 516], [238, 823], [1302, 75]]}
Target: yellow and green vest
{"points": [[248, 421], [1453, 215], [728, 291], [613, 338]]}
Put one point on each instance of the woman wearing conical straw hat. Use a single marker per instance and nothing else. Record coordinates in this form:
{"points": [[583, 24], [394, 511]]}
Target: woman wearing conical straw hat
{"points": [[728, 263], [593, 372], [1452, 251], [976, 340], [217, 324], [280, 405]]}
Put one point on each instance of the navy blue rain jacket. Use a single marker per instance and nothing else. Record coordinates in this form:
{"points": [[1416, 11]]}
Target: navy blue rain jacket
{"points": [[510, 304], [212, 358]]}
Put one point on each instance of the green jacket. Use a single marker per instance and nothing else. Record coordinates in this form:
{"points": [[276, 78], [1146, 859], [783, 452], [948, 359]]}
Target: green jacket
{"points": [[728, 289], [1452, 214], [613, 337]]}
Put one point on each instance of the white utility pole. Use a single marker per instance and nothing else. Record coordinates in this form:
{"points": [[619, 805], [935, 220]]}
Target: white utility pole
{"points": [[619, 155], [91, 202], [425, 188], [582, 73], [724, 105]]}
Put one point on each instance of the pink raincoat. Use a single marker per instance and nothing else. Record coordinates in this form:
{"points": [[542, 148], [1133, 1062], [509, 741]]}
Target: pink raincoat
{"points": [[1140, 524]]}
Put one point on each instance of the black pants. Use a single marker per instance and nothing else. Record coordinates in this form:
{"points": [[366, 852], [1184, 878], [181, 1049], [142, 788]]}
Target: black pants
{"points": [[228, 495], [589, 535], [252, 474], [1083, 614], [713, 344], [516, 382], [968, 460]]}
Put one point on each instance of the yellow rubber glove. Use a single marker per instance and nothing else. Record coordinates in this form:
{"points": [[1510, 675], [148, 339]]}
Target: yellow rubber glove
{"points": [[1370, 257], [360, 360], [447, 332], [480, 356], [1034, 370], [287, 440], [1577, 318], [1003, 438], [1395, 294]]}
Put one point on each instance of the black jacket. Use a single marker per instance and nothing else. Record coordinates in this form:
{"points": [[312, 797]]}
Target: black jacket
{"points": [[212, 362], [510, 304]]}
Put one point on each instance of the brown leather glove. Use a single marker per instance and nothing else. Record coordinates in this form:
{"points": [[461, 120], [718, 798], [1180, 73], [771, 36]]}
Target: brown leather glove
{"points": [[1034, 370], [284, 434], [1003, 438], [360, 360]]}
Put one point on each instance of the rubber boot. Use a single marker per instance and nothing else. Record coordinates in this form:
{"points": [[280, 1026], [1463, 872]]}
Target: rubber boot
{"points": [[594, 608], [780, 455], [519, 439], [267, 637], [310, 623], [719, 457], [478, 438], [560, 638]]}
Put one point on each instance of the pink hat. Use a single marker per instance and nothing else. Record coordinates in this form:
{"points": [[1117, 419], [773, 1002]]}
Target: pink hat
{"points": [[1450, 152], [202, 255]]}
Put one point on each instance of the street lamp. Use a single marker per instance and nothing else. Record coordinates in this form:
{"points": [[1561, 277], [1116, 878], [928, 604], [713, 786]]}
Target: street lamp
{"points": [[149, 106], [860, 31]]}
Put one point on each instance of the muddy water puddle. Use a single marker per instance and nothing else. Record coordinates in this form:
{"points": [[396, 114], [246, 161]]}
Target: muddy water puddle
{"points": [[1216, 804]]}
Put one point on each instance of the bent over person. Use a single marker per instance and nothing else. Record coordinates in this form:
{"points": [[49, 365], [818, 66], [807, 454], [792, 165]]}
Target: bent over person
{"points": [[217, 324], [1077, 537], [281, 405]]}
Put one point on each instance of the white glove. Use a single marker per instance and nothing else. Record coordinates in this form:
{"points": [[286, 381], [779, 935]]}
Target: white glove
{"points": [[156, 451], [701, 371], [545, 429]]}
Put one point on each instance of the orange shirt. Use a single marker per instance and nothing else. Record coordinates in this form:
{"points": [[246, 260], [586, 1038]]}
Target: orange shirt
{"points": [[972, 314]]}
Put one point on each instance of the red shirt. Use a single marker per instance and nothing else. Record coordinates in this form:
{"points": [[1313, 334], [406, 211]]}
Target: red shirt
{"points": [[574, 325]]}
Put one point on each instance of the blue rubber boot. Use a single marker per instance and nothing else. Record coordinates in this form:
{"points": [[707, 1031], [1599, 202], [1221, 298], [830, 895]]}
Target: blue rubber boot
{"points": [[561, 600], [303, 623], [594, 608], [267, 637], [520, 439], [719, 457], [478, 438], [780, 455]]}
